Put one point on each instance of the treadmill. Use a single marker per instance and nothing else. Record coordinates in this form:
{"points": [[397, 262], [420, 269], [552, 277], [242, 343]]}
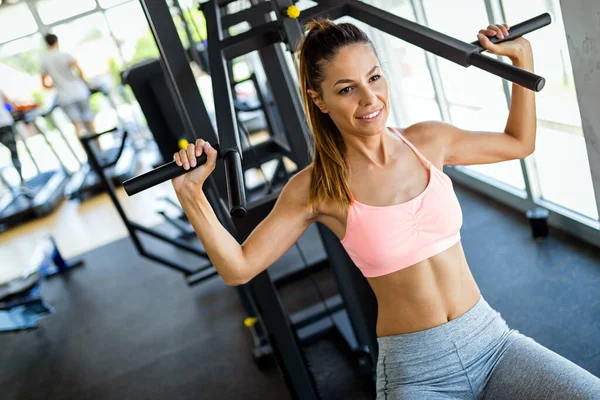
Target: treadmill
{"points": [[123, 160], [45, 188]]}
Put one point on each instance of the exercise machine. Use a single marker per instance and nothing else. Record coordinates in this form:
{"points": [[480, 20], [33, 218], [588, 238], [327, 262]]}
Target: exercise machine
{"points": [[358, 299], [44, 191]]}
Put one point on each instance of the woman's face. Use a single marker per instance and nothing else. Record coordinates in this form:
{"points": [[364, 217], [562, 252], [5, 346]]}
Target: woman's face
{"points": [[355, 91]]}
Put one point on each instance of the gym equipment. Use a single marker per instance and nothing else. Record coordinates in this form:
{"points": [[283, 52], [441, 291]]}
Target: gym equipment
{"points": [[121, 161], [21, 304], [44, 191], [99, 166], [265, 36]]}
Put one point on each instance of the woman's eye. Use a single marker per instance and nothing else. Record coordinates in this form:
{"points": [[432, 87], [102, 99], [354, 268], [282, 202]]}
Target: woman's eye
{"points": [[375, 77], [345, 90]]}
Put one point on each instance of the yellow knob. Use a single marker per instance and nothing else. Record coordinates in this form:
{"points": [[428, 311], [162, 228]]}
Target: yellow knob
{"points": [[293, 12], [182, 143], [250, 322]]}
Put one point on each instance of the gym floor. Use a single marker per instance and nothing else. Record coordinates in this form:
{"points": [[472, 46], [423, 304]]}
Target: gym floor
{"points": [[126, 328]]}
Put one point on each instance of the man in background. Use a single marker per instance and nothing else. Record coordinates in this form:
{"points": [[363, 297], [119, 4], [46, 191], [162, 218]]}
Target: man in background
{"points": [[73, 94]]}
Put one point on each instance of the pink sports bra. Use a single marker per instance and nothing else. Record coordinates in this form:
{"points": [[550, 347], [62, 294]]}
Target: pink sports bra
{"points": [[382, 240]]}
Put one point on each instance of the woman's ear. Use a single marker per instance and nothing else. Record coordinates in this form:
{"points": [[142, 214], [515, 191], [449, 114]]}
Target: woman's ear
{"points": [[316, 98]]}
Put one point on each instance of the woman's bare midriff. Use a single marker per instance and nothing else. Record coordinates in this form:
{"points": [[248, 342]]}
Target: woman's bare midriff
{"points": [[426, 294]]}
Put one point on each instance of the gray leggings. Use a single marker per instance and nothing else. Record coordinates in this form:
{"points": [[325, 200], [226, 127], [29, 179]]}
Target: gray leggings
{"points": [[477, 356]]}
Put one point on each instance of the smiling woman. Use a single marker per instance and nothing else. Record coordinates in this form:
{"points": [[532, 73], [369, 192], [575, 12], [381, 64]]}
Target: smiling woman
{"points": [[383, 193], [351, 95]]}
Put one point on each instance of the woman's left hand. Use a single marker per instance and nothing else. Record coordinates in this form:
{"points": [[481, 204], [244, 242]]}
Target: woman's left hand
{"points": [[513, 49]]}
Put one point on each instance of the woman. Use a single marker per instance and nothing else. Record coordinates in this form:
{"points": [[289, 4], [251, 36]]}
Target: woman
{"points": [[438, 338]]}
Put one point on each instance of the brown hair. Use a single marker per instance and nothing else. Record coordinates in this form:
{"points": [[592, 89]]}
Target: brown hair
{"points": [[320, 45]]}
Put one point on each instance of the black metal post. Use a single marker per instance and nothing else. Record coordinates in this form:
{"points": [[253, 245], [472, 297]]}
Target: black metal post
{"points": [[177, 69]]}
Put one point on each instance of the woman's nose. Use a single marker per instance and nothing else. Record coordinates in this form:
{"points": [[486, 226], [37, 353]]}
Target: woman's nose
{"points": [[367, 97]]}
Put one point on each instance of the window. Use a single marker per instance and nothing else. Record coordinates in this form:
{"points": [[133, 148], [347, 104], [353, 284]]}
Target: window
{"points": [[19, 68], [131, 29], [562, 168], [56, 10], [111, 3], [19, 21], [476, 99]]}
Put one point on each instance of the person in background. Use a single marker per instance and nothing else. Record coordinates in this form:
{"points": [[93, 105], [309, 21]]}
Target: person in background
{"points": [[8, 134], [72, 91]]}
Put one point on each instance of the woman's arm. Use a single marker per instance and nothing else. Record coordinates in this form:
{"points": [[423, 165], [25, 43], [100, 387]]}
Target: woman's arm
{"points": [[462, 147], [237, 264]]}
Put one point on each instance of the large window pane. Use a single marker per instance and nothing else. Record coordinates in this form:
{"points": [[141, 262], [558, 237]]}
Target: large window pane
{"points": [[476, 98], [130, 26], [56, 10], [562, 165], [15, 21]]}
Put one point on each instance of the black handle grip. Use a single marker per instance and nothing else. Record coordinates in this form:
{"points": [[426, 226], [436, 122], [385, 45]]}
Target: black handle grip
{"points": [[518, 30], [519, 76], [161, 174], [235, 184]]}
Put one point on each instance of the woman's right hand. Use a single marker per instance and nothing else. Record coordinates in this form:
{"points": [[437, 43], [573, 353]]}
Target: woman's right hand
{"points": [[186, 158]]}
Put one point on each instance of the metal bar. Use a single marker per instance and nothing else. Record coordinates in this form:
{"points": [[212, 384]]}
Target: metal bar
{"points": [[325, 9], [287, 100], [201, 276], [184, 89], [291, 27], [174, 242], [161, 174], [287, 351], [426, 38], [507, 71], [225, 113], [359, 300], [227, 21], [244, 43], [317, 311], [110, 189]]}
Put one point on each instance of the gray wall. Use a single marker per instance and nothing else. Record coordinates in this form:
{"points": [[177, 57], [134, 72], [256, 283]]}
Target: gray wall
{"points": [[582, 25]]}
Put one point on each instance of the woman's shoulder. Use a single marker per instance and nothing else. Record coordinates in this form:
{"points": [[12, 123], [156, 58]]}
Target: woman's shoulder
{"points": [[424, 131], [297, 189], [427, 137]]}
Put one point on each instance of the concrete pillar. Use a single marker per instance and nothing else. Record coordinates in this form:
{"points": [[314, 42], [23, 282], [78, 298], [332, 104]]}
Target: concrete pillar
{"points": [[582, 25]]}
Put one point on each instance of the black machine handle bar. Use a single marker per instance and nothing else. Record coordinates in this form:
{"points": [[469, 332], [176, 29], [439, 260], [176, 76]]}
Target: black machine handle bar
{"points": [[168, 171], [519, 30], [510, 72]]}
